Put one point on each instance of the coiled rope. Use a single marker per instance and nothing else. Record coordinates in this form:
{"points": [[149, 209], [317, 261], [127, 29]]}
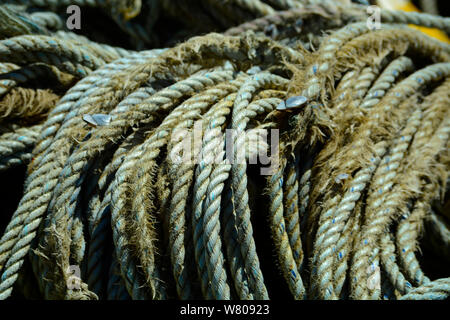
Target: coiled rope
{"points": [[360, 169]]}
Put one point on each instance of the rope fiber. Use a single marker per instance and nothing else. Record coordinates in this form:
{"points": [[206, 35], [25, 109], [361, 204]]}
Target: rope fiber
{"points": [[142, 179]]}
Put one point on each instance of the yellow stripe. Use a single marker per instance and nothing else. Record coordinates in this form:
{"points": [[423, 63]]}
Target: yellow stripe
{"points": [[409, 7]]}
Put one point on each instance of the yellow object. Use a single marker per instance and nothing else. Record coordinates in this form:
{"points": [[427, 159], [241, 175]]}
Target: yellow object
{"points": [[407, 6]]}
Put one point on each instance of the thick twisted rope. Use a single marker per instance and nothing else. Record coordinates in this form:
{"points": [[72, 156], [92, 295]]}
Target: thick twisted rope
{"points": [[359, 169]]}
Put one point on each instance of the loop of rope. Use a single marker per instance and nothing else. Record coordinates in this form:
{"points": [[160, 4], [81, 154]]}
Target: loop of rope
{"points": [[161, 198]]}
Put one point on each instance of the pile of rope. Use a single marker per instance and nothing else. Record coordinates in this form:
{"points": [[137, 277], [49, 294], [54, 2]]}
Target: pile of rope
{"points": [[358, 187], [143, 24]]}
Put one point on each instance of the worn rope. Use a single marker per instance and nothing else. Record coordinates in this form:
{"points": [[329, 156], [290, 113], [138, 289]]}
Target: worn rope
{"points": [[142, 166]]}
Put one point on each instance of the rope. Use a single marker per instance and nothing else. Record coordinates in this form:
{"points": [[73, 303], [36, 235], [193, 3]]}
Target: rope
{"points": [[16, 146], [160, 194]]}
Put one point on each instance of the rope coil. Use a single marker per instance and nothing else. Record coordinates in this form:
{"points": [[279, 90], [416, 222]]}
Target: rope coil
{"points": [[360, 169]]}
